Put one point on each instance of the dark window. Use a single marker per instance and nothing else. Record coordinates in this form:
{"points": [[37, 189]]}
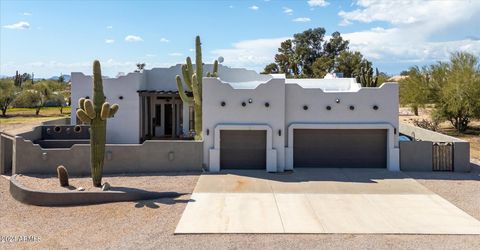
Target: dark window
{"points": [[158, 115]]}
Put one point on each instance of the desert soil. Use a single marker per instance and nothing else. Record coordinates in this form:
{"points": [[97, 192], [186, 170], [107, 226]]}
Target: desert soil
{"points": [[151, 224]]}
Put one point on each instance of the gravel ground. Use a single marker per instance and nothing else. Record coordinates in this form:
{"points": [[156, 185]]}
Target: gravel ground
{"points": [[151, 224], [156, 183]]}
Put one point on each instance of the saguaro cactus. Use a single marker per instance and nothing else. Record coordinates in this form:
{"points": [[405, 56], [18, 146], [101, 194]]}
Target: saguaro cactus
{"points": [[193, 80], [96, 113], [366, 77]]}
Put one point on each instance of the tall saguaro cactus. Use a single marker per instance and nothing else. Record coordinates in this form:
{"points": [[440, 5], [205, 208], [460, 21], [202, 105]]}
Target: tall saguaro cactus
{"points": [[193, 80], [96, 113]]}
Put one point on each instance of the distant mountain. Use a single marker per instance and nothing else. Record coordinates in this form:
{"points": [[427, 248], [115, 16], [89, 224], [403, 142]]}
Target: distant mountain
{"points": [[65, 77]]}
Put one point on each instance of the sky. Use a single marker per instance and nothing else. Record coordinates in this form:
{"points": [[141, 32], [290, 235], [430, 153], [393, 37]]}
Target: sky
{"points": [[53, 37]]}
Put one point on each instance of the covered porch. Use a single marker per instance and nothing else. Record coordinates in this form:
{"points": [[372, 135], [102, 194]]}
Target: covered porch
{"points": [[163, 116]]}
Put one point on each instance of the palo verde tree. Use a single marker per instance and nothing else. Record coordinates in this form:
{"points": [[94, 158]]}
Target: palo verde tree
{"points": [[7, 94]]}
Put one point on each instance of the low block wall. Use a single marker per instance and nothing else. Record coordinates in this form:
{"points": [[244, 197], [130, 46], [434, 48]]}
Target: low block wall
{"points": [[417, 155], [151, 156]]}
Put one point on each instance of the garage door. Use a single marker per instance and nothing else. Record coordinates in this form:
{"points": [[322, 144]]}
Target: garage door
{"points": [[243, 149], [340, 148]]}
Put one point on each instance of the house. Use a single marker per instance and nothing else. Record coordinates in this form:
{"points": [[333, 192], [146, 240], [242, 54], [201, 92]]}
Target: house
{"points": [[259, 121]]}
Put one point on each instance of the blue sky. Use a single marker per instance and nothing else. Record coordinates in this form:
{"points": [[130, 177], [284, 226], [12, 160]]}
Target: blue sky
{"points": [[53, 37]]}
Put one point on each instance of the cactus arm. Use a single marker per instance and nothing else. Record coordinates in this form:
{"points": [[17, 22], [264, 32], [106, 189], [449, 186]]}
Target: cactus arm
{"points": [[215, 69], [181, 91], [186, 76], [89, 109], [81, 103], [105, 113], [82, 115], [113, 110]]}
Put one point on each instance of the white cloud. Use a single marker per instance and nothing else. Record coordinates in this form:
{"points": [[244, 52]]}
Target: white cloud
{"points": [[416, 33], [164, 40], [287, 11], [253, 54], [317, 3], [254, 7], [302, 19], [231, 6], [109, 41], [132, 38], [27, 13], [175, 54], [109, 27], [18, 26], [191, 50]]}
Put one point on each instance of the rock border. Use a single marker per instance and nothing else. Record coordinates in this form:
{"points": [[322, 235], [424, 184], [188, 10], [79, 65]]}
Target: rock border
{"points": [[76, 198]]}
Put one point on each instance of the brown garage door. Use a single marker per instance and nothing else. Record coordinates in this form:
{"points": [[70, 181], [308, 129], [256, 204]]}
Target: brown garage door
{"points": [[243, 149], [340, 148]]}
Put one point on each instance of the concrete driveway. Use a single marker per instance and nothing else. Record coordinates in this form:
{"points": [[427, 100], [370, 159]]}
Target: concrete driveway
{"points": [[361, 201]]}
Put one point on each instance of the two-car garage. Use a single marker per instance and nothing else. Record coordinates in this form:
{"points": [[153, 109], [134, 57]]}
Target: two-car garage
{"points": [[312, 148]]}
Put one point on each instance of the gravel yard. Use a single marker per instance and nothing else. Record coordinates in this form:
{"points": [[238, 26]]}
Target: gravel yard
{"points": [[150, 224]]}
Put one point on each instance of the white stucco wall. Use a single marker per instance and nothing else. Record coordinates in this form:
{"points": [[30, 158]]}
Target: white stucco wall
{"points": [[252, 116], [125, 126]]}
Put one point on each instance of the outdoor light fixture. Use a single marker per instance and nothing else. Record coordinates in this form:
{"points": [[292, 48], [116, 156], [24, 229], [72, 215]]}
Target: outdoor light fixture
{"points": [[120, 97], [279, 132], [337, 100], [329, 107], [352, 107], [375, 107], [244, 104], [208, 131], [223, 104], [250, 100], [87, 97], [305, 107], [267, 104]]}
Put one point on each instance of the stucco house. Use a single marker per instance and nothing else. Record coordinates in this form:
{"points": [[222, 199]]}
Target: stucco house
{"points": [[259, 121]]}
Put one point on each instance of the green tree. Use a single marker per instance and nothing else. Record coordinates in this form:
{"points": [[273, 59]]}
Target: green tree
{"points": [[34, 96], [415, 90], [7, 94], [271, 68], [459, 95], [309, 55]]}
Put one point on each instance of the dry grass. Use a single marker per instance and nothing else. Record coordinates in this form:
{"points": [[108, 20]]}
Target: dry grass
{"points": [[25, 115]]}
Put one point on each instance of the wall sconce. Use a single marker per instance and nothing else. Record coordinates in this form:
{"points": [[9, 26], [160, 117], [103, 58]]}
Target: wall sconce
{"points": [[120, 97], [267, 104], [305, 107], [395, 131], [279, 132], [352, 107], [250, 100], [208, 131], [244, 104], [375, 107], [329, 107], [87, 97], [223, 104], [337, 100]]}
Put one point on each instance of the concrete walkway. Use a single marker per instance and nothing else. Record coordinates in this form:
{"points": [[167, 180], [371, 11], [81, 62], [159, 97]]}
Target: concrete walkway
{"points": [[360, 201]]}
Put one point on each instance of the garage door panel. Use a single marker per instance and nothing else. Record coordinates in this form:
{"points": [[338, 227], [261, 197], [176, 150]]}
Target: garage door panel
{"points": [[243, 149], [353, 148]]}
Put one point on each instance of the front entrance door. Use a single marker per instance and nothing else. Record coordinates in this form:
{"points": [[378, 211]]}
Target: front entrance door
{"points": [[168, 119]]}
